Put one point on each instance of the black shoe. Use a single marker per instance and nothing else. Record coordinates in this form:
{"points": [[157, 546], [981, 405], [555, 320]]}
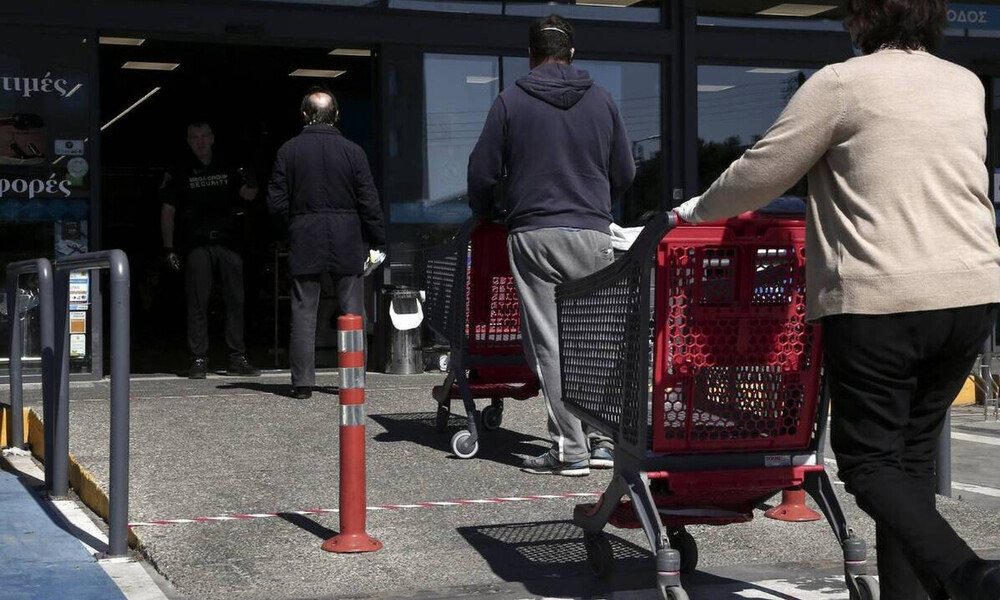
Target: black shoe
{"points": [[975, 579], [302, 392], [199, 368], [239, 365]]}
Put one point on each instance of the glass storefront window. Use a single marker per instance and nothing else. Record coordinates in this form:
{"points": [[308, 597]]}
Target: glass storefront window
{"points": [[45, 168], [736, 106], [638, 11]]}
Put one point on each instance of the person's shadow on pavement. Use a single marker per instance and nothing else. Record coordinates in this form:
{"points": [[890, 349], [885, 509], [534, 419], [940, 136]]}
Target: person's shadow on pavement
{"points": [[277, 389]]}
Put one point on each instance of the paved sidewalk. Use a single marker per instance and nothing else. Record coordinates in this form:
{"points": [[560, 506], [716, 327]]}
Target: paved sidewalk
{"points": [[234, 488], [40, 558]]}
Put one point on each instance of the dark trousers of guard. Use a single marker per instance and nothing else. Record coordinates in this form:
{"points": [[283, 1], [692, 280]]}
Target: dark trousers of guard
{"points": [[204, 264], [306, 290], [892, 379]]}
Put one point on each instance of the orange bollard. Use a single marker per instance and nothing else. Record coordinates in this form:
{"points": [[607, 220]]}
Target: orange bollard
{"points": [[353, 500], [793, 507]]}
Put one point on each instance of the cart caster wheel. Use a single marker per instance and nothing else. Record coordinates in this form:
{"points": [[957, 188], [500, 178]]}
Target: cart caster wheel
{"points": [[867, 588], [684, 542], [441, 421], [600, 557], [443, 361], [492, 417], [673, 593], [462, 445]]}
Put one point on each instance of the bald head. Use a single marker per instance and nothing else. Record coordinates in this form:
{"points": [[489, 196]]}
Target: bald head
{"points": [[319, 106]]}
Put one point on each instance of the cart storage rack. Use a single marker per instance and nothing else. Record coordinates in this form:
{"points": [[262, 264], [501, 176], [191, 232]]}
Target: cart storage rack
{"points": [[731, 415], [472, 303]]}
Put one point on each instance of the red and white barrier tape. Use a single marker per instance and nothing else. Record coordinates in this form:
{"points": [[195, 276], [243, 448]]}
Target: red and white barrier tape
{"points": [[320, 511]]}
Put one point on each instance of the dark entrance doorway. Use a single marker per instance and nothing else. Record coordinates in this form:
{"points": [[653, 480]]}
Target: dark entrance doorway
{"points": [[250, 98]]}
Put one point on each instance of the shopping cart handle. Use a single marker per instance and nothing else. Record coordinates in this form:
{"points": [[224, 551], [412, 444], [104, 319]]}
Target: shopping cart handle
{"points": [[641, 252]]}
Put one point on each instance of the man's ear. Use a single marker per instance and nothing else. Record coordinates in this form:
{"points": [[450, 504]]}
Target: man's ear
{"points": [[572, 52]]}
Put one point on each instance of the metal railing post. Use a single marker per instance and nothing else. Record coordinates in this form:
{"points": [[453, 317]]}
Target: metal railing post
{"points": [[60, 410], [43, 268], [117, 263]]}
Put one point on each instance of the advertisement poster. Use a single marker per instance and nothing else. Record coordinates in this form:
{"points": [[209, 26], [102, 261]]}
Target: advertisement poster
{"points": [[79, 287], [78, 321], [77, 345]]}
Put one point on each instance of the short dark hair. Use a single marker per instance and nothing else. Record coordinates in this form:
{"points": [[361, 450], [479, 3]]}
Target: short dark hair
{"points": [[551, 37], [905, 24], [198, 123], [319, 113]]}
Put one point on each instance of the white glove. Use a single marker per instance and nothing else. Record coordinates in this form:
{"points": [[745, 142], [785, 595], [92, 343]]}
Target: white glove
{"points": [[375, 258], [686, 210]]}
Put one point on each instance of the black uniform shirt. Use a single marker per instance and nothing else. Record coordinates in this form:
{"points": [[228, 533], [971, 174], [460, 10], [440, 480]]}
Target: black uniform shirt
{"points": [[206, 198]]}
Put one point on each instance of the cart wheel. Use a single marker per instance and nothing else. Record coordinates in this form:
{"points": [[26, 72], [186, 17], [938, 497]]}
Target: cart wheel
{"points": [[461, 446], [600, 557], [443, 361], [675, 592], [443, 414], [492, 417], [684, 542], [867, 588]]}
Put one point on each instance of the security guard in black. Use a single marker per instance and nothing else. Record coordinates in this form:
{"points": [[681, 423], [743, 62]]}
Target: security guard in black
{"points": [[201, 200]]}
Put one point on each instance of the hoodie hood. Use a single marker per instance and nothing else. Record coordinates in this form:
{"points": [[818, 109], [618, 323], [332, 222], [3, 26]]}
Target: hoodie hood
{"points": [[560, 85]]}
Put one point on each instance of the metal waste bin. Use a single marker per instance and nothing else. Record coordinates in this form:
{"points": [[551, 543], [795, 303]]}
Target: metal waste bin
{"points": [[406, 314]]}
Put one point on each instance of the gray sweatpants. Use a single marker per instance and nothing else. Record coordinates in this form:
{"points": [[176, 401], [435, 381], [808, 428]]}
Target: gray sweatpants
{"points": [[540, 259]]}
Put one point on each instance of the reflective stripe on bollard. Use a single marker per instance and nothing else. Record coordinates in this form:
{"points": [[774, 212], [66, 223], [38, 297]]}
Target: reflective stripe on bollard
{"points": [[353, 494]]}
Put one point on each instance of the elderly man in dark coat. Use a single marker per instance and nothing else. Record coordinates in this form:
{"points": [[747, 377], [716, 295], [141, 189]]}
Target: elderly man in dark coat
{"points": [[323, 185]]}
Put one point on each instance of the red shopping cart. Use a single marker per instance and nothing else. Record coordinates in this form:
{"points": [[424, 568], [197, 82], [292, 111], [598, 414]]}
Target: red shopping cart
{"points": [[472, 304], [731, 412]]}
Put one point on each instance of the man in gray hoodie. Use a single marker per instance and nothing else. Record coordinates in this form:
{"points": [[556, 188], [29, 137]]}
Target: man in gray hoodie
{"points": [[556, 146]]}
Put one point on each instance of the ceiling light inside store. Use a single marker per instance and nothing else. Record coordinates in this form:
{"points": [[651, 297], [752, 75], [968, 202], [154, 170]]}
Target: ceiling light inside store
{"points": [[327, 73], [480, 79], [767, 71], [714, 88], [120, 41], [796, 10], [350, 52], [607, 2], [129, 109], [150, 66]]}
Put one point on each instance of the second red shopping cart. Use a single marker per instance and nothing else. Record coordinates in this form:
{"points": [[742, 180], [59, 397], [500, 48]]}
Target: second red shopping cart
{"points": [[472, 304]]}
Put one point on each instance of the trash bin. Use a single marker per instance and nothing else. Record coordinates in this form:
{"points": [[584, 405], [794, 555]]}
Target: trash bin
{"points": [[406, 314]]}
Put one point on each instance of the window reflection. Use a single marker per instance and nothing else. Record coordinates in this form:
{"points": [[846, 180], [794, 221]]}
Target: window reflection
{"points": [[736, 106]]}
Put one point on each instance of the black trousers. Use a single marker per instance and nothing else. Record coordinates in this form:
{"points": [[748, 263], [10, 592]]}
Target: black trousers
{"points": [[306, 289], [203, 264], [892, 379]]}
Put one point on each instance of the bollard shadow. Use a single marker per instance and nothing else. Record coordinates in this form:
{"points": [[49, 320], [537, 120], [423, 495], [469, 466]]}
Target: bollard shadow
{"points": [[502, 446], [308, 525], [549, 559], [277, 389]]}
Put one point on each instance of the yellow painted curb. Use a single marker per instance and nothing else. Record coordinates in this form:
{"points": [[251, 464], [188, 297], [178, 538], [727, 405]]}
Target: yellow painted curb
{"points": [[5, 424], [82, 482], [968, 394]]}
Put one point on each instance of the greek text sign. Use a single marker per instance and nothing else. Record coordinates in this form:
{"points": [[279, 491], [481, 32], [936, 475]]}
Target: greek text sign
{"points": [[974, 16]]}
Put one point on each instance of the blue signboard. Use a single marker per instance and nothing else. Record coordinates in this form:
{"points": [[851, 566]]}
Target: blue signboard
{"points": [[974, 16]]}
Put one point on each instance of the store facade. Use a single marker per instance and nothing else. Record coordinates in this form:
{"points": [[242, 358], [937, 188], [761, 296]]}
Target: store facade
{"points": [[696, 82]]}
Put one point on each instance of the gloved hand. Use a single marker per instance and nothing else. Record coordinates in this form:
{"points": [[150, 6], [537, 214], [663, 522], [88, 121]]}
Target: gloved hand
{"points": [[172, 259], [373, 260]]}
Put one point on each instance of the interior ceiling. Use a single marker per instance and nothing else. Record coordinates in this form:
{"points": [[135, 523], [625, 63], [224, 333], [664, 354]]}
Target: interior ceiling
{"points": [[750, 8]]}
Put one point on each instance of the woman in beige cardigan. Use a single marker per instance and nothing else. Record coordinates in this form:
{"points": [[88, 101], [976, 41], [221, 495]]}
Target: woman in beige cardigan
{"points": [[903, 269]]}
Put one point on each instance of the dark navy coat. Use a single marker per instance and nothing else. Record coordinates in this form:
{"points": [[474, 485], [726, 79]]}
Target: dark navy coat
{"points": [[322, 184]]}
